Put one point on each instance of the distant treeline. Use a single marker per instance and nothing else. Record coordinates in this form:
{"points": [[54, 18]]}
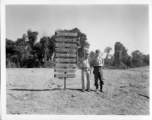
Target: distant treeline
{"points": [[26, 52], [121, 59]]}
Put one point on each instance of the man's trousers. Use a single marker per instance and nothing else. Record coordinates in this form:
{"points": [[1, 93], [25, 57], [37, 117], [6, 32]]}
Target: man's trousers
{"points": [[85, 79], [98, 75]]}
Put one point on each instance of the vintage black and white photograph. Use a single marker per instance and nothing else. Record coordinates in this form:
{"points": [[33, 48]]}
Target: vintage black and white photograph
{"points": [[77, 59]]}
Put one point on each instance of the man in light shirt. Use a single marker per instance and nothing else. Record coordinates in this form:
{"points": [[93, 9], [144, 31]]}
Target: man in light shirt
{"points": [[86, 70], [98, 62]]}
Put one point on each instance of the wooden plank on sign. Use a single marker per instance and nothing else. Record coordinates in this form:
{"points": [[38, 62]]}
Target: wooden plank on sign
{"points": [[66, 34], [65, 65], [64, 75], [66, 40], [64, 55], [65, 50], [65, 45], [64, 60], [64, 70]]}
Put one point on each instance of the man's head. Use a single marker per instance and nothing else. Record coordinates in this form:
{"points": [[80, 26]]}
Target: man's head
{"points": [[97, 52], [86, 53]]}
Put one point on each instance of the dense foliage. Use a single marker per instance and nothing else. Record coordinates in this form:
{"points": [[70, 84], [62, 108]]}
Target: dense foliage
{"points": [[122, 60], [26, 52]]}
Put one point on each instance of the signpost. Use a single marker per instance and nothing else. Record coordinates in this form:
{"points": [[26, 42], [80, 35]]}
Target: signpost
{"points": [[65, 55]]}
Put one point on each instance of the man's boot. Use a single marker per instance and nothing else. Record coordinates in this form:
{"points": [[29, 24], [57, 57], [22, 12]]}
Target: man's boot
{"points": [[101, 89], [96, 89]]}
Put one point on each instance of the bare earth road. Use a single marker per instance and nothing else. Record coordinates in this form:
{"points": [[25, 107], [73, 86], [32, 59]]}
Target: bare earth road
{"points": [[36, 91]]}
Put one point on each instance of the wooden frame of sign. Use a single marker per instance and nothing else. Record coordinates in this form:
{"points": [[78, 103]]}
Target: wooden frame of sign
{"points": [[65, 55]]}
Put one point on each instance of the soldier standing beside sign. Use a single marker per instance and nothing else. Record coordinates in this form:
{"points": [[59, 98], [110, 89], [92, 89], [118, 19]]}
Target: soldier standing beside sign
{"points": [[98, 62], [85, 66]]}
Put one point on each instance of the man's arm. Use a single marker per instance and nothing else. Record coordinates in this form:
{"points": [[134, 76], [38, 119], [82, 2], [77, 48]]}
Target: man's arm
{"points": [[102, 61], [80, 63]]}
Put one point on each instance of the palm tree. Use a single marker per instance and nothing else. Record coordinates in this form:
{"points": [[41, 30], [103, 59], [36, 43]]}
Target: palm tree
{"points": [[107, 50]]}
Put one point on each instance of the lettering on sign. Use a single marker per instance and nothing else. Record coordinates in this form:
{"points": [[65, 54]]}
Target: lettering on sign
{"points": [[64, 60], [65, 65], [65, 45], [64, 70], [64, 75], [66, 34], [64, 55], [65, 50], [66, 40]]}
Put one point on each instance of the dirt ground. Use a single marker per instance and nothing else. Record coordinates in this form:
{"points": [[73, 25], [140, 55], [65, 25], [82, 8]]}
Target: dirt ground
{"points": [[36, 91]]}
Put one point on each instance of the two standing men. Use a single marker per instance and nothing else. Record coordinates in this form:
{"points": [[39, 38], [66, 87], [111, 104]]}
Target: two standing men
{"points": [[97, 63]]}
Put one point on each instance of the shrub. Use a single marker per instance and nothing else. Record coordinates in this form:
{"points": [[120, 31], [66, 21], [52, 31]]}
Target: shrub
{"points": [[122, 66], [49, 64], [10, 64]]}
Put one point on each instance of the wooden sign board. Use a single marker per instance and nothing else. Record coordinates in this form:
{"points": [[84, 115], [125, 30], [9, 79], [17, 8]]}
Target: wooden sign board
{"points": [[64, 60], [64, 75], [65, 45], [66, 34], [66, 40], [65, 65], [65, 50], [65, 70], [64, 55]]}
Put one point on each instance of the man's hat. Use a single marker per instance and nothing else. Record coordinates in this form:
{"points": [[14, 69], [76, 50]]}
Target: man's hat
{"points": [[97, 51]]}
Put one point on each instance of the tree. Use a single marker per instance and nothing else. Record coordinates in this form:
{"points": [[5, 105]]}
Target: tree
{"points": [[146, 59], [137, 58], [120, 56], [10, 47], [109, 62], [117, 54], [32, 37], [107, 50], [124, 55]]}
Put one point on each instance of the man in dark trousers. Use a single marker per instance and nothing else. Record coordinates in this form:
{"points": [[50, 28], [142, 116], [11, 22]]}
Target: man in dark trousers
{"points": [[98, 62]]}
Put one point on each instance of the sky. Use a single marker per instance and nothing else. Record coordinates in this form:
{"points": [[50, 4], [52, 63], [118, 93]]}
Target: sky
{"points": [[104, 25]]}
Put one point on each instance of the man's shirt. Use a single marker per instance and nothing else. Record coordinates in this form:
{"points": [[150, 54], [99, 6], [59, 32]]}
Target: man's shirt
{"points": [[84, 63], [98, 61]]}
